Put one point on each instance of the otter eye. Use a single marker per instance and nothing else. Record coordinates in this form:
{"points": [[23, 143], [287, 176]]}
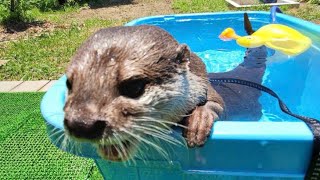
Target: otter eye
{"points": [[69, 85], [132, 88]]}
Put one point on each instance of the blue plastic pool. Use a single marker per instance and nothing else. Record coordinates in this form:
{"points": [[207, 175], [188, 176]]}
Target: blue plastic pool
{"points": [[277, 146]]}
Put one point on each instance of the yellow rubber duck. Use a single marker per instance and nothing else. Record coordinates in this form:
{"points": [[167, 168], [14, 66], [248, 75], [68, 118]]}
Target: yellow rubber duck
{"points": [[275, 36]]}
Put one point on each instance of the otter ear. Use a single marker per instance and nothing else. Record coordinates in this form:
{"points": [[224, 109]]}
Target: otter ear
{"points": [[183, 54]]}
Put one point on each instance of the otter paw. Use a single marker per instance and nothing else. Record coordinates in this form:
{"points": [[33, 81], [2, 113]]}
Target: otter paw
{"points": [[200, 122]]}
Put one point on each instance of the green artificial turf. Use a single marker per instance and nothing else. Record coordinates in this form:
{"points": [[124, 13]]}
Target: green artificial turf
{"points": [[25, 149]]}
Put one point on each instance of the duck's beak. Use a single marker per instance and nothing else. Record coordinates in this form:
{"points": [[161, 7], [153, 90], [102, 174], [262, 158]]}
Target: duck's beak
{"points": [[228, 35]]}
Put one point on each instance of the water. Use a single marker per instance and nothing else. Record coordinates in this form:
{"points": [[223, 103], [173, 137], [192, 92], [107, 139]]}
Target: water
{"points": [[285, 75], [294, 79], [221, 60]]}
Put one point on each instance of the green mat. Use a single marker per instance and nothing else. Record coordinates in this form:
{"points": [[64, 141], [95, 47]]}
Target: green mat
{"points": [[25, 150]]}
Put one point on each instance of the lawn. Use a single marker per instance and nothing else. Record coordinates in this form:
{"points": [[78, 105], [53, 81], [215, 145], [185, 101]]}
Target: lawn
{"points": [[25, 149], [45, 55]]}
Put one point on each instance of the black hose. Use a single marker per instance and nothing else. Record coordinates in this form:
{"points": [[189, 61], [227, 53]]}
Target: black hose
{"points": [[313, 172]]}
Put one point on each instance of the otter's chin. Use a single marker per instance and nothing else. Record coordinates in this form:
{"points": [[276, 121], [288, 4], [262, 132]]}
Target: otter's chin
{"points": [[117, 152]]}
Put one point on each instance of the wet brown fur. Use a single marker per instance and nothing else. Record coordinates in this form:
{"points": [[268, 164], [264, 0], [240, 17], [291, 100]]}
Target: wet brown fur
{"points": [[119, 54]]}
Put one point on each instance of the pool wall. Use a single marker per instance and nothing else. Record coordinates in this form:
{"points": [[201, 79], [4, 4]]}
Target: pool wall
{"points": [[234, 150]]}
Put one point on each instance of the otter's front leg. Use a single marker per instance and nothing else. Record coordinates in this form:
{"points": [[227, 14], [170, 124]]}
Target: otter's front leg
{"points": [[200, 122]]}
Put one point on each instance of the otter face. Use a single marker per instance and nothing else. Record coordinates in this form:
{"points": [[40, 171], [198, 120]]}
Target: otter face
{"points": [[128, 83]]}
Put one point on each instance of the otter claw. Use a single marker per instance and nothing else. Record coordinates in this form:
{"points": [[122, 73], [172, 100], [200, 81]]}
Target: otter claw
{"points": [[200, 123]]}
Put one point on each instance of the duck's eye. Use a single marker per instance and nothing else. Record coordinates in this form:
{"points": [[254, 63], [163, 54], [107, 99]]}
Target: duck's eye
{"points": [[132, 88]]}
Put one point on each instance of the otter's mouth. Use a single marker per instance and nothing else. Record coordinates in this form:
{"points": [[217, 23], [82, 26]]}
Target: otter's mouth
{"points": [[117, 152]]}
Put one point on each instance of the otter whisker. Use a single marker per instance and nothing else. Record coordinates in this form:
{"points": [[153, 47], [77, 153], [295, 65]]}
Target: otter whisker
{"points": [[109, 150], [122, 151], [60, 116], [51, 130], [77, 147], [57, 131], [179, 136], [54, 130], [184, 116], [135, 146], [171, 150], [151, 120], [68, 142], [119, 142], [72, 147], [118, 151], [168, 113], [162, 122], [174, 124], [156, 147], [65, 142], [59, 139], [141, 152], [171, 141], [166, 130], [163, 146], [158, 126], [158, 134], [104, 142]]}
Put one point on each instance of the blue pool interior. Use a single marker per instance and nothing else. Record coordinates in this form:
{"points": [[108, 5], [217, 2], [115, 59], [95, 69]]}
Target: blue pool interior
{"points": [[268, 148], [295, 79]]}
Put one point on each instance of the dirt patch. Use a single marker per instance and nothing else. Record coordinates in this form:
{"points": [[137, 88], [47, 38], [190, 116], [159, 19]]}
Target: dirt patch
{"points": [[24, 30], [130, 10], [257, 2], [127, 12], [124, 12]]}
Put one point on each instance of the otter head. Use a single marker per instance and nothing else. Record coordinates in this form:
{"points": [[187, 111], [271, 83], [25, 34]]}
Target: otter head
{"points": [[128, 83]]}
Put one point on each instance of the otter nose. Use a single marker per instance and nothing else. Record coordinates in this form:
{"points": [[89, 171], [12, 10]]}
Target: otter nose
{"points": [[92, 129]]}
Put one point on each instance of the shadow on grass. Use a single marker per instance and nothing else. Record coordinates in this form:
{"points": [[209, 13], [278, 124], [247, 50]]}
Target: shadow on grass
{"points": [[95, 4], [19, 22], [14, 26]]}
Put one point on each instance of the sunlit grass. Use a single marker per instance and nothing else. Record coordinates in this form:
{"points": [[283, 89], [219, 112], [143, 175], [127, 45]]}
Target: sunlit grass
{"points": [[192, 6], [46, 56], [310, 12]]}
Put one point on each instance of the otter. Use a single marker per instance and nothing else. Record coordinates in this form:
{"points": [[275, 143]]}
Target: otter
{"points": [[125, 83]]}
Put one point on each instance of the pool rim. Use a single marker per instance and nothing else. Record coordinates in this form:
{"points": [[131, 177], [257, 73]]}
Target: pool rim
{"points": [[221, 130]]}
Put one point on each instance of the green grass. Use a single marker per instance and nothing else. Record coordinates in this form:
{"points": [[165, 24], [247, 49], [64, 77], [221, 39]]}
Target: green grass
{"points": [[310, 12], [30, 10], [193, 6], [57, 16], [25, 149], [47, 56]]}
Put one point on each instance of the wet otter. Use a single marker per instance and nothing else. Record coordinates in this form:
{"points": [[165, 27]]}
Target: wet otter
{"points": [[125, 83]]}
